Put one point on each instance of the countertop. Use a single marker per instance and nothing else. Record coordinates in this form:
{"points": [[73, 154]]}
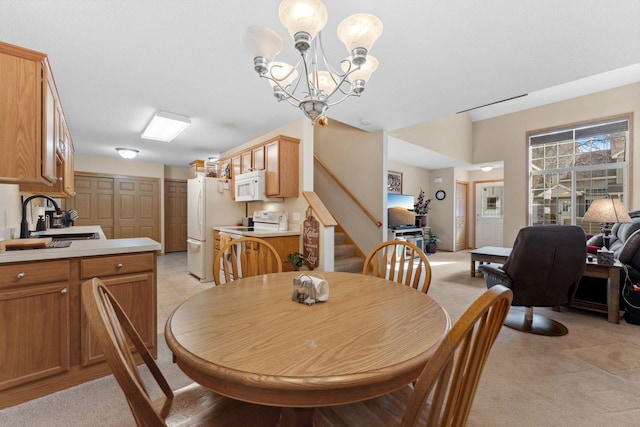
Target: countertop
{"points": [[82, 248], [238, 229]]}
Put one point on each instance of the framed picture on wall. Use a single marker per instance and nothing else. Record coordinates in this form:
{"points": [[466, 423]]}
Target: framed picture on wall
{"points": [[394, 182]]}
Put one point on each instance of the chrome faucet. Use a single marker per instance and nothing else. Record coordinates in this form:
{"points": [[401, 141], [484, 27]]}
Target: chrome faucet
{"points": [[24, 225]]}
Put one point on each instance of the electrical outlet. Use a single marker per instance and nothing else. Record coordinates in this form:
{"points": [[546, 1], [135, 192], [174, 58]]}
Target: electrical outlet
{"points": [[296, 216]]}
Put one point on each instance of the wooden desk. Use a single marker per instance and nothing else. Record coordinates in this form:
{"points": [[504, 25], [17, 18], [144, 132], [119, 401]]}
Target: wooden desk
{"points": [[495, 254], [247, 340]]}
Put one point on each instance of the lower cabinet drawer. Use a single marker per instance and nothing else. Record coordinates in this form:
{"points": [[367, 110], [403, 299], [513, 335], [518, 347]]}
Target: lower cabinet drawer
{"points": [[33, 273], [117, 264]]}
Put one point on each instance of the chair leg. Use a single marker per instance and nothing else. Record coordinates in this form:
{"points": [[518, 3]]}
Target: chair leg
{"points": [[538, 325]]}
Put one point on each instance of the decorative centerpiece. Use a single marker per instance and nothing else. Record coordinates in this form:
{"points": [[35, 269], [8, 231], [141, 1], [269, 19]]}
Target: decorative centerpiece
{"points": [[421, 209]]}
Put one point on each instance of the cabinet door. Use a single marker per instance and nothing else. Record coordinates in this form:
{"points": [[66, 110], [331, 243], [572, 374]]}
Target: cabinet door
{"points": [[236, 166], [272, 160], [257, 155], [135, 293], [20, 119], [49, 132], [34, 333], [246, 161]]}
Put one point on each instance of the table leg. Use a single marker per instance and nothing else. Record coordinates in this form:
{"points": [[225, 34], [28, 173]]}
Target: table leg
{"points": [[613, 295], [473, 266]]}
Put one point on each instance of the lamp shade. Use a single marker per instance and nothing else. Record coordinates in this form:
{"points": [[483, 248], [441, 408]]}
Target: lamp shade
{"points": [[260, 41], [606, 210], [365, 71], [284, 73], [359, 30], [309, 16], [326, 82]]}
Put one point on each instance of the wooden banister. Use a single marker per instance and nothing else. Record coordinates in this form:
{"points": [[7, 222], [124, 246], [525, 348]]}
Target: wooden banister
{"points": [[323, 214], [346, 190]]}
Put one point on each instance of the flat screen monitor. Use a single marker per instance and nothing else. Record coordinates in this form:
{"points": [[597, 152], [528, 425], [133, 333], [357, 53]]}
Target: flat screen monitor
{"points": [[400, 210], [400, 200]]}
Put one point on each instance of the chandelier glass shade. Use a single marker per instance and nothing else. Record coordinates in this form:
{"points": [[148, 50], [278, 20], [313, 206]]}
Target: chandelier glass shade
{"points": [[312, 84]]}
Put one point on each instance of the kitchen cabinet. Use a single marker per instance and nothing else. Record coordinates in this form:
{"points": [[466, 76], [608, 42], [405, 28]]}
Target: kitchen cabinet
{"points": [[46, 344], [282, 165], [195, 167], [284, 245], [28, 103], [131, 279], [34, 333], [63, 185], [246, 161], [280, 157], [257, 157], [236, 165]]}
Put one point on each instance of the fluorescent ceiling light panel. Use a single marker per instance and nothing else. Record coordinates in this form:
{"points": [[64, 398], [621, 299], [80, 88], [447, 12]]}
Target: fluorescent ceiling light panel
{"points": [[165, 126]]}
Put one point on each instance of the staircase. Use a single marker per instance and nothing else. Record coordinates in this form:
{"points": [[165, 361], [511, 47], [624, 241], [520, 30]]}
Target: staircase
{"points": [[347, 257]]}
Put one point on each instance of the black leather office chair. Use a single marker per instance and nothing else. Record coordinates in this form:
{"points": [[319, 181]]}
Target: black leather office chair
{"points": [[546, 263]]}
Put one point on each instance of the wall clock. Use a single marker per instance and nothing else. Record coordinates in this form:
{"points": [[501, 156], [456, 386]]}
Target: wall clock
{"points": [[440, 194]]}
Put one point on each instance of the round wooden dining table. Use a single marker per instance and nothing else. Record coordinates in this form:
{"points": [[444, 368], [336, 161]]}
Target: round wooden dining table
{"points": [[249, 341]]}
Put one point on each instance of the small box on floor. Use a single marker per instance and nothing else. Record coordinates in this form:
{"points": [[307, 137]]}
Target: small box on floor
{"points": [[605, 257]]}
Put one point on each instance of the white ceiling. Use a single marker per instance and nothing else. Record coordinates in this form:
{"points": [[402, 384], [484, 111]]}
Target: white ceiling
{"points": [[117, 62]]}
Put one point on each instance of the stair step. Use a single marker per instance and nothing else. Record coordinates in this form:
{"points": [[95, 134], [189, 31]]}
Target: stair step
{"points": [[350, 265], [339, 238], [343, 251]]}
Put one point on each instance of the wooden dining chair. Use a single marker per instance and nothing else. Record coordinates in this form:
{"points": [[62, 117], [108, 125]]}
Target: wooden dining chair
{"points": [[399, 261], [444, 391], [191, 405], [245, 257]]}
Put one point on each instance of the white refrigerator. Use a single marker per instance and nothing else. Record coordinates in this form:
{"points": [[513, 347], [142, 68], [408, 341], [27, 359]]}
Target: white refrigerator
{"points": [[209, 204]]}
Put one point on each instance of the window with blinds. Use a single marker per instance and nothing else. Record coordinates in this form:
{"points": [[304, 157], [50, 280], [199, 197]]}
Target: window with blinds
{"points": [[571, 166]]}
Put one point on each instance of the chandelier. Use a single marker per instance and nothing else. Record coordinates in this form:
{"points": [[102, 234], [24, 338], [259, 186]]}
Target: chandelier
{"points": [[312, 84]]}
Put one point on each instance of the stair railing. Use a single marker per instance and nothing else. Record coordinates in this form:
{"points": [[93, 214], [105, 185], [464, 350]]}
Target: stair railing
{"points": [[346, 190]]}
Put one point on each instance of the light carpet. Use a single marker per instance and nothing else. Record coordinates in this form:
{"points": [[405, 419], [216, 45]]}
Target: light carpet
{"points": [[590, 377]]}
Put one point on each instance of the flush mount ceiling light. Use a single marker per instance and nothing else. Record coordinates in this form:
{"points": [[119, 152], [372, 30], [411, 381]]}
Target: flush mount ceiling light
{"points": [[305, 85], [127, 153], [165, 126], [486, 168]]}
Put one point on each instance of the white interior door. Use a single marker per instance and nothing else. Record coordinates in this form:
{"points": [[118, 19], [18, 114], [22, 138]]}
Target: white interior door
{"points": [[489, 213]]}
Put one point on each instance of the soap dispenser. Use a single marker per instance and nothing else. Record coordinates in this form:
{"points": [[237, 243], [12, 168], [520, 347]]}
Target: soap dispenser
{"points": [[41, 225]]}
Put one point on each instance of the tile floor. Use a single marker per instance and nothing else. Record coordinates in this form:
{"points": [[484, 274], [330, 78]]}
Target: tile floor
{"points": [[175, 284]]}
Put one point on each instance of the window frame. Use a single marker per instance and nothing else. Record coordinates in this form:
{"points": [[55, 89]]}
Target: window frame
{"points": [[627, 168]]}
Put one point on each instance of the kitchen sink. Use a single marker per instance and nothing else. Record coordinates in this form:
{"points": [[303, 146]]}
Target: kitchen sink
{"points": [[69, 236]]}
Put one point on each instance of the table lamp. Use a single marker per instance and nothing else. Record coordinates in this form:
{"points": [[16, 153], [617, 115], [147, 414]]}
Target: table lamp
{"points": [[606, 211]]}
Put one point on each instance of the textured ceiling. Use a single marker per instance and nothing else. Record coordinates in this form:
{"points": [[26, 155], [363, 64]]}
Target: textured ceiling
{"points": [[117, 62]]}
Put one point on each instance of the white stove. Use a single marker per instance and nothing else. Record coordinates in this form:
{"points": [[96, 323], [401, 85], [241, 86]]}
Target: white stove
{"points": [[263, 222]]}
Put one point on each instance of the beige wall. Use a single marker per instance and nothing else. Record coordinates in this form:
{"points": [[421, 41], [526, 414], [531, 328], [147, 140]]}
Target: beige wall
{"points": [[504, 138], [357, 160], [172, 172], [450, 135]]}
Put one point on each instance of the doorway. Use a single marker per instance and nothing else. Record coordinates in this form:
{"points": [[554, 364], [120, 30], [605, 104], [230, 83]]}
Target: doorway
{"points": [[462, 190], [175, 215], [489, 202]]}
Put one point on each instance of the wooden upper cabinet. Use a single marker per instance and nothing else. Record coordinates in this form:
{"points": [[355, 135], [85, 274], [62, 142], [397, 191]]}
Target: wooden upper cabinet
{"points": [[31, 122], [246, 163], [257, 156], [279, 157], [236, 165], [282, 166]]}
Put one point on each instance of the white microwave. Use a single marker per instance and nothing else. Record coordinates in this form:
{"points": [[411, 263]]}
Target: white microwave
{"points": [[251, 187]]}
